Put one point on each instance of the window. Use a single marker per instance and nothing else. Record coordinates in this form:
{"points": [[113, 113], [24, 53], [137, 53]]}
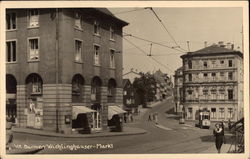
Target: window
{"points": [[213, 63], [33, 18], [190, 92], [33, 49], [96, 55], [230, 75], [222, 74], [213, 113], [205, 64], [221, 113], [36, 85], [78, 20], [205, 75], [205, 93], [112, 33], [222, 62], [213, 93], [11, 21], [96, 28], [221, 94], [78, 51], [190, 113], [190, 77], [230, 113], [112, 58], [77, 84], [230, 94], [190, 64], [11, 51], [124, 92], [230, 63], [213, 76]]}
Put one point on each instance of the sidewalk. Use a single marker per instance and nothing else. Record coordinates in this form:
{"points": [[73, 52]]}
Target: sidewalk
{"points": [[126, 131], [224, 149]]}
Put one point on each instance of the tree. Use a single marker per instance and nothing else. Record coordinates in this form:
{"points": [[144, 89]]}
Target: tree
{"points": [[145, 87]]}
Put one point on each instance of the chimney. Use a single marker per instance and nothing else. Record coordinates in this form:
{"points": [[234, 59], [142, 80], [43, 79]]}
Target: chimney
{"points": [[205, 44], [229, 45], [221, 44], [232, 46]]}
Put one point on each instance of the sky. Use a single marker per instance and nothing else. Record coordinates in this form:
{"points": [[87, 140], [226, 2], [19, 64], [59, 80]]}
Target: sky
{"points": [[195, 25]]}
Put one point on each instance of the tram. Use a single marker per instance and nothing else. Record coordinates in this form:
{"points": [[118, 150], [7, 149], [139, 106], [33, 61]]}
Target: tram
{"points": [[204, 119]]}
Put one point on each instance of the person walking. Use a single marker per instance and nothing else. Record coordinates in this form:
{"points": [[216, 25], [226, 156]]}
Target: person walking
{"points": [[149, 117], [219, 136], [156, 118]]}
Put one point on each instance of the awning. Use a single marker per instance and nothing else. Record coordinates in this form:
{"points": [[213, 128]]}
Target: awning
{"points": [[80, 109], [113, 110]]}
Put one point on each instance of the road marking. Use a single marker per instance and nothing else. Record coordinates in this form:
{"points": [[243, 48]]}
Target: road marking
{"points": [[163, 127]]}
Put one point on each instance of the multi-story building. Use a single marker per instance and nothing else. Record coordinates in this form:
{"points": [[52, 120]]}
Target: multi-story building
{"points": [[130, 97], [213, 80], [164, 86], [178, 90], [61, 63]]}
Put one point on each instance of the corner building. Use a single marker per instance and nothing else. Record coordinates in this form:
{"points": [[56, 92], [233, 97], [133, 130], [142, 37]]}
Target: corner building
{"points": [[60, 63], [213, 80]]}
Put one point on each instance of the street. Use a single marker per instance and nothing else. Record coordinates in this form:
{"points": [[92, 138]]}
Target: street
{"points": [[168, 137]]}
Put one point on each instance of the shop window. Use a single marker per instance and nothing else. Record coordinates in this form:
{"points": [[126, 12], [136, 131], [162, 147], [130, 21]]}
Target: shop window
{"points": [[96, 55], [78, 51], [33, 49], [11, 21], [112, 58], [33, 16], [11, 51]]}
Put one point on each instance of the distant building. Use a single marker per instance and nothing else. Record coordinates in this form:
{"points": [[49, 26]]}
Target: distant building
{"points": [[131, 75], [213, 80], [130, 97], [178, 90], [61, 63], [164, 86]]}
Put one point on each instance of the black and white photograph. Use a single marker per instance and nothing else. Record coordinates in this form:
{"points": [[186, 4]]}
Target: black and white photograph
{"points": [[149, 79]]}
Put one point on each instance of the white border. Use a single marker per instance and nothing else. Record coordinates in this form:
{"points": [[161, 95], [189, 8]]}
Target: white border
{"points": [[120, 4]]}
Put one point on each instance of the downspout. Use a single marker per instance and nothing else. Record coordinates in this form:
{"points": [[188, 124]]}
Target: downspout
{"points": [[57, 68]]}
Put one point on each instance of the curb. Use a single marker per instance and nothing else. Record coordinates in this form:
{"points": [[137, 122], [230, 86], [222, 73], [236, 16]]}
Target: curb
{"points": [[26, 131]]}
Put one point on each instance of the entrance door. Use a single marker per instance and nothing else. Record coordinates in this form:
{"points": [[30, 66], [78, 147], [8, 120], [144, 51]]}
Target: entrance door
{"points": [[96, 124]]}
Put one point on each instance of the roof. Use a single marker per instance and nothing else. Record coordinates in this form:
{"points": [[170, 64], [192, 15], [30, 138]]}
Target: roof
{"points": [[125, 81], [108, 13], [211, 50]]}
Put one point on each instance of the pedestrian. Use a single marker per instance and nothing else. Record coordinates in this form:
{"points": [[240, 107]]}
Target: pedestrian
{"points": [[131, 118], [9, 133], [125, 118], [156, 118], [219, 136], [149, 117]]}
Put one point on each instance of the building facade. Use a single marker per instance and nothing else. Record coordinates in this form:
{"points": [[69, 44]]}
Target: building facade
{"points": [[213, 80], [130, 97], [178, 90], [59, 59]]}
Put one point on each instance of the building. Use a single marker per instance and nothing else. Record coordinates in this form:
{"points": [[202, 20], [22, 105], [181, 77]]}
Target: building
{"points": [[178, 90], [131, 99], [61, 63], [164, 86], [213, 80]]}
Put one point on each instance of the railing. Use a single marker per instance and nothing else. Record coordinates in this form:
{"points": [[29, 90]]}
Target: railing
{"points": [[237, 144]]}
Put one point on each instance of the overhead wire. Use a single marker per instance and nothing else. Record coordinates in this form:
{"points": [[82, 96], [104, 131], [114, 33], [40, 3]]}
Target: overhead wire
{"points": [[164, 26], [138, 9], [145, 53]]}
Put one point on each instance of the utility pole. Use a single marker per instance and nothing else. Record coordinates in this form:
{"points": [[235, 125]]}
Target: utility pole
{"points": [[57, 69], [188, 46]]}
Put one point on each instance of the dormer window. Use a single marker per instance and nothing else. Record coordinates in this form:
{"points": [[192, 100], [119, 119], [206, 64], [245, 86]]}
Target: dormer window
{"points": [[78, 20], [33, 16], [96, 28]]}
